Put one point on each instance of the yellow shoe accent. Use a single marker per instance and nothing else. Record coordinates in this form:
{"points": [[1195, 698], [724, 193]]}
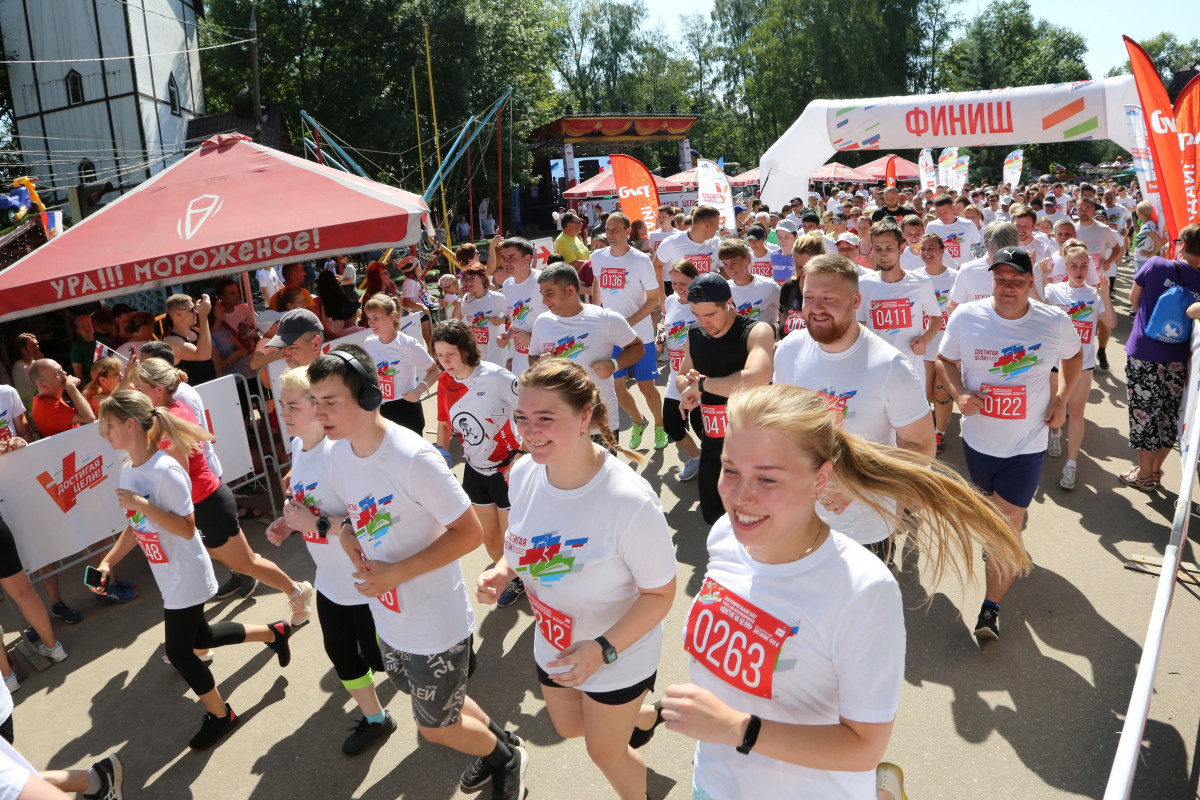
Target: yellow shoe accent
{"points": [[890, 778]]}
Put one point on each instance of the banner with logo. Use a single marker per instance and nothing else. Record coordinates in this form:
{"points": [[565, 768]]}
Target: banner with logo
{"points": [[1164, 142], [58, 495], [1013, 164], [712, 189], [1187, 122], [945, 164], [635, 188], [928, 170], [889, 172], [959, 174], [1143, 164], [569, 165]]}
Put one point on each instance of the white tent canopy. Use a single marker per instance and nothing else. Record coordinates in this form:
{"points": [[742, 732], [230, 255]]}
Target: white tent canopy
{"points": [[1029, 114]]}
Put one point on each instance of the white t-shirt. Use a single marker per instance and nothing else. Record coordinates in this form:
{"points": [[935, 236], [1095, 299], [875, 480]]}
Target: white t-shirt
{"points": [[942, 284], [622, 283], [6, 709], [268, 282], [656, 238], [524, 307], [843, 657], [1042, 246], [680, 245], [15, 771], [402, 363], [1100, 240], [1128, 202], [1121, 214], [591, 335], [11, 407], [1084, 306], [872, 388], [1143, 243], [677, 321], [482, 417], [972, 282], [1054, 218], [335, 570], [187, 395], [400, 500], [910, 261], [476, 311], [1058, 272], [758, 300], [585, 553], [958, 237], [898, 312], [1011, 360], [761, 265], [181, 567]]}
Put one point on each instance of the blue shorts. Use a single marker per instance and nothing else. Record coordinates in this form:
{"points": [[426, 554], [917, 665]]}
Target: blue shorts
{"points": [[646, 369], [1014, 479]]}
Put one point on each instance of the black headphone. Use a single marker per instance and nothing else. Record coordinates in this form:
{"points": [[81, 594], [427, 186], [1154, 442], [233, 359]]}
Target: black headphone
{"points": [[369, 397]]}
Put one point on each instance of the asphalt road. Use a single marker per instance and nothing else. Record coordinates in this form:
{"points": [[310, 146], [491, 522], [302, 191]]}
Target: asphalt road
{"points": [[1035, 715]]}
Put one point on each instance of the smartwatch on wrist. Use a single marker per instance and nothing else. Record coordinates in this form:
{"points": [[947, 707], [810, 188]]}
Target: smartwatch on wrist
{"points": [[323, 527], [610, 652], [751, 735], [700, 385]]}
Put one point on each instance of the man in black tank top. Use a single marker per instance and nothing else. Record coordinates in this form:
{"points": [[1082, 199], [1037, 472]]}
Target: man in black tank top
{"points": [[723, 352]]}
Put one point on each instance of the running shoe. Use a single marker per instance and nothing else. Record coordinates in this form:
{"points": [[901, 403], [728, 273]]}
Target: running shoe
{"points": [[31, 635], [1068, 478], [116, 594], [365, 732], [112, 775], [641, 736], [206, 657], [1101, 359], [988, 624], [66, 613], [56, 654], [690, 469], [213, 729], [11, 682], [941, 442], [124, 585], [283, 632], [512, 592], [1054, 445], [508, 783], [242, 585], [301, 604], [890, 778], [635, 434], [479, 774], [660, 438]]}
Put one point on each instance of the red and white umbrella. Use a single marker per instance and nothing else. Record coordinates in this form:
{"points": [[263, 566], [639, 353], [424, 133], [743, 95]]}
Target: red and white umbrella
{"points": [[833, 172]]}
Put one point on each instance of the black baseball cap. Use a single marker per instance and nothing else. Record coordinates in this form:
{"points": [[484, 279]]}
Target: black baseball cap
{"points": [[810, 216], [1015, 257], [756, 232], [293, 325], [709, 288]]}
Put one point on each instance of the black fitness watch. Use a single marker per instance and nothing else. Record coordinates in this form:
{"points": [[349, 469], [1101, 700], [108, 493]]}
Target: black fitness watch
{"points": [[700, 385], [610, 652], [751, 736], [323, 527]]}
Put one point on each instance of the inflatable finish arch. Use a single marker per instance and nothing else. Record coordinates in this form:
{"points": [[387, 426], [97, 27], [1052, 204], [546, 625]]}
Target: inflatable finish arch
{"points": [[1029, 114]]}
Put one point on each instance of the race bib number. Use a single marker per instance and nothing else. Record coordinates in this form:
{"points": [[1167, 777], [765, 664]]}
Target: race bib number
{"points": [[763, 268], [954, 249], [714, 421], [1058, 278], [389, 601], [612, 279], [1084, 329], [1095, 262], [676, 357], [5, 431], [702, 263], [1004, 402], [314, 537], [734, 639], [794, 321], [151, 546], [891, 314], [387, 387], [482, 334], [554, 626]]}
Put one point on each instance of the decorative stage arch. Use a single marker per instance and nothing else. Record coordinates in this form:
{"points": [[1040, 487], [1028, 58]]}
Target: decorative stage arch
{"points": [[1057, 112]]}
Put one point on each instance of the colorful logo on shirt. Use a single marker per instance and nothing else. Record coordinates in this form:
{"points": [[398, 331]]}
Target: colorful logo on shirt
{"points": [[304, 496], [750, 310], [479, 320], [838, 404], [678, 331], [74, 480], [943, 297], [521, 311], [137, 520], [1080, 310], [568, 346], [5, 429], [545, 560], [372, 519], [387, 369], [1014, 360]]}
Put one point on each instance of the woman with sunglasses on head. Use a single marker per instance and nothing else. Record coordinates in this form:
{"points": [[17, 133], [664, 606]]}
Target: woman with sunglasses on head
{"points": [[797, 635], [406, 370]]}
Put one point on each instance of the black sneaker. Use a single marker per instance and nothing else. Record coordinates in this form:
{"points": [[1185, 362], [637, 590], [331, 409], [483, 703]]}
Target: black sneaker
{"points": [[511, 594], [241, 585], [283, 631], [479, 774], [508, 782], [988, 624], [111, 775], [32, 635], [365, 732], [66, 613], [213, 729], [1101, 360], [641, 736]]}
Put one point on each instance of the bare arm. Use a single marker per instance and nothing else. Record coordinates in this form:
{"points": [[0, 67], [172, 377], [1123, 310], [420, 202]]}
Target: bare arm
{"points": [[460, 537], [83, 409], [652, 301], [918, 437], [630, 354], [758, 369]]}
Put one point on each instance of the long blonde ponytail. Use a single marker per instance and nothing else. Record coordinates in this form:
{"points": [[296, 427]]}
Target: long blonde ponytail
{"points": [[157, 422]]}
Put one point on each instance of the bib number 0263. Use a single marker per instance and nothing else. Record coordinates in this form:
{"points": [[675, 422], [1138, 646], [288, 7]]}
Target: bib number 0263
{"points": [[734, 639]]}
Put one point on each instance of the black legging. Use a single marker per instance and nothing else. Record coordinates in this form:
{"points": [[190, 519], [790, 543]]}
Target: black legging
{"points": [[676, 426], [186, 631], [349, 636], [711, 507], [405, 414]]}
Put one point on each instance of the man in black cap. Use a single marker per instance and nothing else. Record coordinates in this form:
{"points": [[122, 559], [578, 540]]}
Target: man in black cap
{"points": [[998, 353], [298, 338], [723, 352]]}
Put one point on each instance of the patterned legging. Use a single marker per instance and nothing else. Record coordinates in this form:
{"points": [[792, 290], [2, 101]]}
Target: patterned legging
{"points": [[1155, 393]]}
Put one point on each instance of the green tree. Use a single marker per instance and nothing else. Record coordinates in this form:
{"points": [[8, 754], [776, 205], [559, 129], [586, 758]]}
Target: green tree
{"points": [[1168, 54]]}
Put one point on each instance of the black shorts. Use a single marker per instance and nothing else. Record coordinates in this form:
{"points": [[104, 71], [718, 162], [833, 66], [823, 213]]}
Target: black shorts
{"points": [[617, 697], [217, 518], [406, 414], [10, 559], [485, 490]]}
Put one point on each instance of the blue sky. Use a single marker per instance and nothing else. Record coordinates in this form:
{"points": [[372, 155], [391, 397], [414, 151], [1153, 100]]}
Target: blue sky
{"points": [[1102, 22]]}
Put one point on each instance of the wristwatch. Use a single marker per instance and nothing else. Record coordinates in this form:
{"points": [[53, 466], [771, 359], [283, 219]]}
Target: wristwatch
{"points": [[751, 735], [323, 527], [610, 652], [700, 384]]}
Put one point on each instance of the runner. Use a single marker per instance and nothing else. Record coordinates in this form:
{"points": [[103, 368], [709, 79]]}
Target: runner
{"points": [[1036, 244], [215, 507], [677, 322], [522, 291], [486, 313], [698, 245], [974, 279], [899, 307], [809, 712], [791, 293], [482, 416], [1086, 306], [588, 536], [723, 352], [1104, 249], [873, 389], [892, 207], [958, 234], [910, 256], [155, 495], [406, 370], [1148, 240], [933, 255], [754, 296], [664, 216], [998, 354], [410, 522], [627, 283], [761, 251]]}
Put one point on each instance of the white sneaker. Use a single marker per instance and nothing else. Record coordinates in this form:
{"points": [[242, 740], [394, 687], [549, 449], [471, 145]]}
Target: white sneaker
{"points": [[1068, 478], [301, 604], [1054, 445], [690, 469], [57, 655], [206, 657], [12, 683]]}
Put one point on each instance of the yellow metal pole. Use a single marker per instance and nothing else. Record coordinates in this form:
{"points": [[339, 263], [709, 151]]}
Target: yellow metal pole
{"points": [[417, 116], [436, 142]]}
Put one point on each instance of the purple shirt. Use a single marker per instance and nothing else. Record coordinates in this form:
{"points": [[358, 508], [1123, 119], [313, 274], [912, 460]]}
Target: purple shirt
{"points": [[1155, 277]]}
